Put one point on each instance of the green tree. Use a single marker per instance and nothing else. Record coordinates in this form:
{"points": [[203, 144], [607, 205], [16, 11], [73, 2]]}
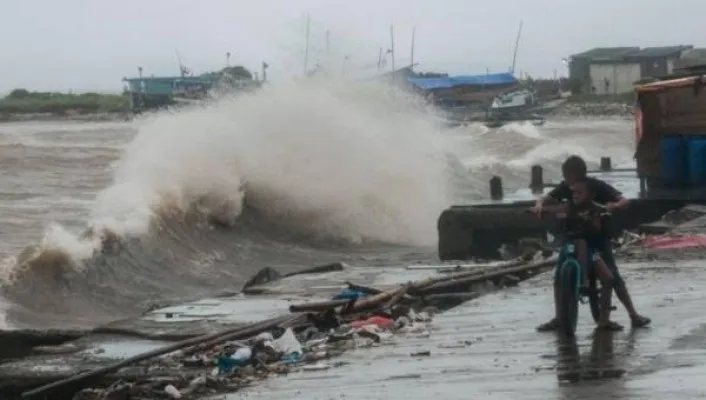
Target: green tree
{"points": [[19, 94], [237, 72]]}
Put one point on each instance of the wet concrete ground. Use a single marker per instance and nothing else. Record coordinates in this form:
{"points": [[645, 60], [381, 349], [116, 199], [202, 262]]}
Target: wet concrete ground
{"points": [[488, 349]]}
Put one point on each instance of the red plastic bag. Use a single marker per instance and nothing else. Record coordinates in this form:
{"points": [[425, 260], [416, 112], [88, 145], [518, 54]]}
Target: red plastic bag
{"points": [[376, 320]]}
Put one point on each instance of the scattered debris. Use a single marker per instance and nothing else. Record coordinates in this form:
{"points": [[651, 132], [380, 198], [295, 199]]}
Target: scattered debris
{"points": [[304, 340]]}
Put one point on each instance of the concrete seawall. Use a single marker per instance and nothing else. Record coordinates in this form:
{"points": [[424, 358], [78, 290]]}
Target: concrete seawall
{"points": [[478, 231]]}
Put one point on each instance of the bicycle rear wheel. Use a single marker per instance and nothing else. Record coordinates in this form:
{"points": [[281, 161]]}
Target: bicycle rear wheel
{"points": [[594, 296], [569, 280]]}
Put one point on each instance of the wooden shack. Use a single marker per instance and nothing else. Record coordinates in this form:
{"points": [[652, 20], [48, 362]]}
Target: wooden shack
{"points": [[667, 107]]}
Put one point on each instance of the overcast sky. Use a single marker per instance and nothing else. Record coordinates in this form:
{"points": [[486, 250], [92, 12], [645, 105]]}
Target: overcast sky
{"points": [[91, 44]]}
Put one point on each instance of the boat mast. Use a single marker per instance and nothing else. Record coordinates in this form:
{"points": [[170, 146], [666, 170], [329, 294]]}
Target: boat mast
{"points": [[328, 41], [517, 44], [411, 50], [182, 68], [306, 45], [392, 46]]}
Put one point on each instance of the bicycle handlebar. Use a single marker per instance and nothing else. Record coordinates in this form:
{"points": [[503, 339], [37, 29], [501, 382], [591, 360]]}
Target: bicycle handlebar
{"points": [[556, 209]]}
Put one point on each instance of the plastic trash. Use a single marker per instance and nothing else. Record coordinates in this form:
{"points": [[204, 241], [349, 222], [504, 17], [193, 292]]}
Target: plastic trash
{"points": [[376, 320], [316, 343], [422, 317], [291, 358], [287, 343], [264, 337], [172, 392], [243, 353], [240, 358], [349, 294]]}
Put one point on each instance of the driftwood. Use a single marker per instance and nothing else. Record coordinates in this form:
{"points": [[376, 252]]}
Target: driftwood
{"points": [[76, 382], [374, 301], [371, 290], [442, 297], [267, 275], [377, 298], [461, 267], [321, 269], [397, 297], [447, 285], [318, 305], [419, 286]]}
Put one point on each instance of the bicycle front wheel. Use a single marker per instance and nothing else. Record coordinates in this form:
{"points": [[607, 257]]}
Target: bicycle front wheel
{"points": [[569, 280]]}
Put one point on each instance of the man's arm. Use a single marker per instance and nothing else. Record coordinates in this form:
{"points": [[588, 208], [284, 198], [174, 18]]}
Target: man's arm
{"points": [[614, 199], [560, 192]]}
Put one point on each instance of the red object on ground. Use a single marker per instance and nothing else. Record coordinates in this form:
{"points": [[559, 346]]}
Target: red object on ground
{"points": [[382, 322], [675, 242]]}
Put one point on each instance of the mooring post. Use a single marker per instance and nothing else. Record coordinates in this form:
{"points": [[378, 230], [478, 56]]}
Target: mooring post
{"points": [[496, 188], [537, 179], [606, 164]]}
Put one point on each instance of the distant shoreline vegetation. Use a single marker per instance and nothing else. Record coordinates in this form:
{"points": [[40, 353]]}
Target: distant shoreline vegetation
{"points": [[22, 101]]}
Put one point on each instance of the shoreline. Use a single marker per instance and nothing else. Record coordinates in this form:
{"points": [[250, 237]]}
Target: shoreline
{"points": [[567, 109], [50, 117]]}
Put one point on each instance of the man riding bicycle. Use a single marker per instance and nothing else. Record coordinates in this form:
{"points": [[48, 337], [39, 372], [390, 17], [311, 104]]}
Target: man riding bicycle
{"points": [[574, 170]]}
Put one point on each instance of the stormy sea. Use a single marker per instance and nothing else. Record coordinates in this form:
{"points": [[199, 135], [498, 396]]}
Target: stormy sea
{"points": [[101, 220]]}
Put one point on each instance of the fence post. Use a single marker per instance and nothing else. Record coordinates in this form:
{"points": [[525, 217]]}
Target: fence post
{"points": [[606, 164], [537, 179], [496, 188]]}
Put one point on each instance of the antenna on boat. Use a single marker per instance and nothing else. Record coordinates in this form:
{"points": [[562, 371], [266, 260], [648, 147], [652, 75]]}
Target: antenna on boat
{"points": [[517, 44], [392, 46], [380, 59], [328, 41], [182, 69], [306, 45], [411, 50]]}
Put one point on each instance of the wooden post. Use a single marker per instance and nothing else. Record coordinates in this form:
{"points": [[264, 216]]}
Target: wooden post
{"points": [[496, 188], [537, 179], [606, 164]]}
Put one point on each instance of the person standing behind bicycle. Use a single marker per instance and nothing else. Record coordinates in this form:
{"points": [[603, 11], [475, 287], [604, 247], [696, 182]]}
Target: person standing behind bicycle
{"points": [[574, 169]]}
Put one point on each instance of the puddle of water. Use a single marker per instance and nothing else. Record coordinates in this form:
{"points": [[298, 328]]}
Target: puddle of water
{"points": [[396, 276], [239, 309], [51, 368], [123, 348]]}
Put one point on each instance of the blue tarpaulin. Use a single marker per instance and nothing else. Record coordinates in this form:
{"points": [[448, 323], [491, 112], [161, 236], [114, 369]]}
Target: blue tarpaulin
{"points": [[503, 78]]}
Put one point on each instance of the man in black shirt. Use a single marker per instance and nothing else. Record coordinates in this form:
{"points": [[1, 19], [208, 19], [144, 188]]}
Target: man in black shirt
{"points": [[574, 169]]}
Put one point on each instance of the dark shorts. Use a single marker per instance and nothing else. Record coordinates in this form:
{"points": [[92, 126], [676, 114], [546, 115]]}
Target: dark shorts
{"points": [[605, 249]]}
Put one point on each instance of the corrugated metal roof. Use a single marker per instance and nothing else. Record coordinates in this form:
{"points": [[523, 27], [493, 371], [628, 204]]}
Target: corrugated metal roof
{"points": [[665, 51], [607, 53], [672, 83], [692, 58], [624, 53]]}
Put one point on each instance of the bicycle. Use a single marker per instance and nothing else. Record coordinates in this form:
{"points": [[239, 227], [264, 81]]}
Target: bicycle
{"points": [[568, 279]]}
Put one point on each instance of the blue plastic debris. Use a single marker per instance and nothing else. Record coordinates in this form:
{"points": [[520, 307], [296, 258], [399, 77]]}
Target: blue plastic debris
{"points": [[349, 294]]}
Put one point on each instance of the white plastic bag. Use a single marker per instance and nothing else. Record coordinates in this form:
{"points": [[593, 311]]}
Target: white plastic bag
{"points": [[287, 343]]}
